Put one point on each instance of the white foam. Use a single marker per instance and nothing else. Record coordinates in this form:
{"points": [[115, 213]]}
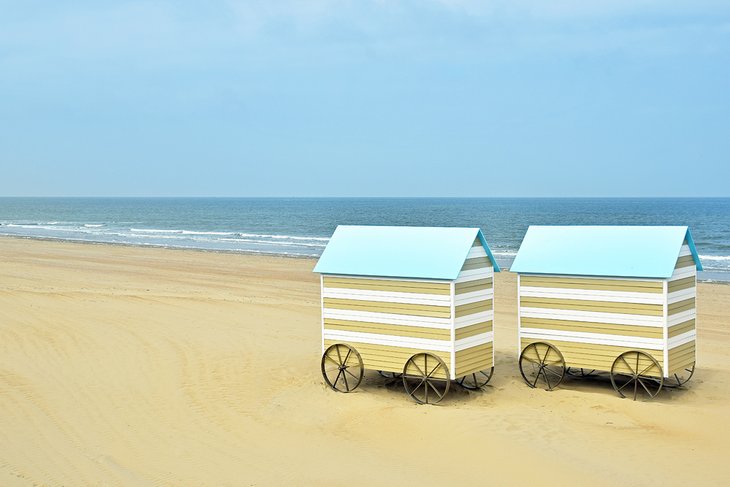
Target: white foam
{"points": [[93, 225], [718, 258]]}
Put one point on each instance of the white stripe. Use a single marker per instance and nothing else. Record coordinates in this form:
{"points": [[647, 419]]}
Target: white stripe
{"points": [[594, 338], [321, 309], [665, 329], [473, 341], [685, 337], [592, 316], [387, 318], [571, 276], [473, 319], [685, 251], [387, 296], [406, 342], [681, 295], [474, 274], [378, 278], [476, 252], [678, 318], [388, 340], [476, 296], [592, 295], [683, 272], [452, 361]]}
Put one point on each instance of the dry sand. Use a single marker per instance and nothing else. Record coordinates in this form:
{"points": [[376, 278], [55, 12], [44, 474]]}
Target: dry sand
{"points": [[139, 366]]}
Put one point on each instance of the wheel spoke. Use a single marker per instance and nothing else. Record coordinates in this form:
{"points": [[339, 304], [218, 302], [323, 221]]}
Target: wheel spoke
{"points": [[435, 390], [627, 383], [413, 362], [627, 364], [344, 377], [547, 379], [339, 373], [537, 377], [636, 387], [332, 360], [552, 372], [645, 388], [530, 360], [647, 368], [353, 375], [438, 364]]}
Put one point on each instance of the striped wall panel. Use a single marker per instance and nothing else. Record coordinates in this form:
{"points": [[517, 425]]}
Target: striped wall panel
{"points": [[474, 359], [591, 355], [681, 357], [388, 320], [389, 358]]}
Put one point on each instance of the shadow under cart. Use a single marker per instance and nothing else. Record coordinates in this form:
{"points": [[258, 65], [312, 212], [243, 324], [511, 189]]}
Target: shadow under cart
{"points": [[425, 376], [634, 373]]}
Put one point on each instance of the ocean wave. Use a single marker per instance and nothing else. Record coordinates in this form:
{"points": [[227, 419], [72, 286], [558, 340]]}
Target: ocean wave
{"points": [[243, 236], [269, 242], [283, 237], [93, 225], [718, 258]]}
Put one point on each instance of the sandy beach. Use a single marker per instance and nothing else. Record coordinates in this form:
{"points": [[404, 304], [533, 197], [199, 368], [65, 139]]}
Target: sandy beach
{"points": [[146, 366]]}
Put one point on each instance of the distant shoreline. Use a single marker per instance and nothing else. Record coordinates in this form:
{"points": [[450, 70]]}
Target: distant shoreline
{"points": [[215, 251], [156, 246]]}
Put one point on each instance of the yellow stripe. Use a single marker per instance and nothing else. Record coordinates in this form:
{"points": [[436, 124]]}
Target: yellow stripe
{"points": [[471, 308], [386, 285], [476, 263], [593, 284], [681, 357], [680, 284], [597, 306], [388, 358], [386, 329], [685, 261], [472, 286], [474, 359], [590, 327], [427, 310], [591, 356], [680, 328], [680, 306], [471, 330]]}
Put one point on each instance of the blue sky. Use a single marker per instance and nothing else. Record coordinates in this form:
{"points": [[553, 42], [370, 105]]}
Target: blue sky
{"points": [[365, 98]]}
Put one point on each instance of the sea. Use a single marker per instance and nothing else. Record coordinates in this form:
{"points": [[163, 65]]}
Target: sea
{"points": [[301, 227]]}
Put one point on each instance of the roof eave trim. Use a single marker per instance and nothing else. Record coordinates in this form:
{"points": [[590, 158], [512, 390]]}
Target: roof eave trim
{"points": [[484, 243], [693, 249]]}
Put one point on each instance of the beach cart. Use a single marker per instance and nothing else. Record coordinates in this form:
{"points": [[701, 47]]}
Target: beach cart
{"points": [[414, 302], [616, 299]]}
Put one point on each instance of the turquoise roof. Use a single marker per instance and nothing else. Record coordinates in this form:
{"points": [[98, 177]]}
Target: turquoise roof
{"points": [[406, 252], [619, 251]]}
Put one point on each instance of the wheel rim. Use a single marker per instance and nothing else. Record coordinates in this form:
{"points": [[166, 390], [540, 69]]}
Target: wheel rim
{"points": [[681, 378], [477, 380], [542, 365], [573, 372], [426, 378], [342, 367], [636, 374], [389, 375]]}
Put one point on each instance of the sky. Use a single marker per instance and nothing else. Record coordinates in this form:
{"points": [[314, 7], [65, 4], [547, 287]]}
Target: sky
{"points": [[365, 98]]}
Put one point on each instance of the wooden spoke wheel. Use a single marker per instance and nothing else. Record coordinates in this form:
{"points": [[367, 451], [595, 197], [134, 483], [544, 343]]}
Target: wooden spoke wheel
{"points": [[635, 373], [342, 367], [426, 378], [681, 378], [573, 372], [477, 380], [389, 375], [542, 365]]}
